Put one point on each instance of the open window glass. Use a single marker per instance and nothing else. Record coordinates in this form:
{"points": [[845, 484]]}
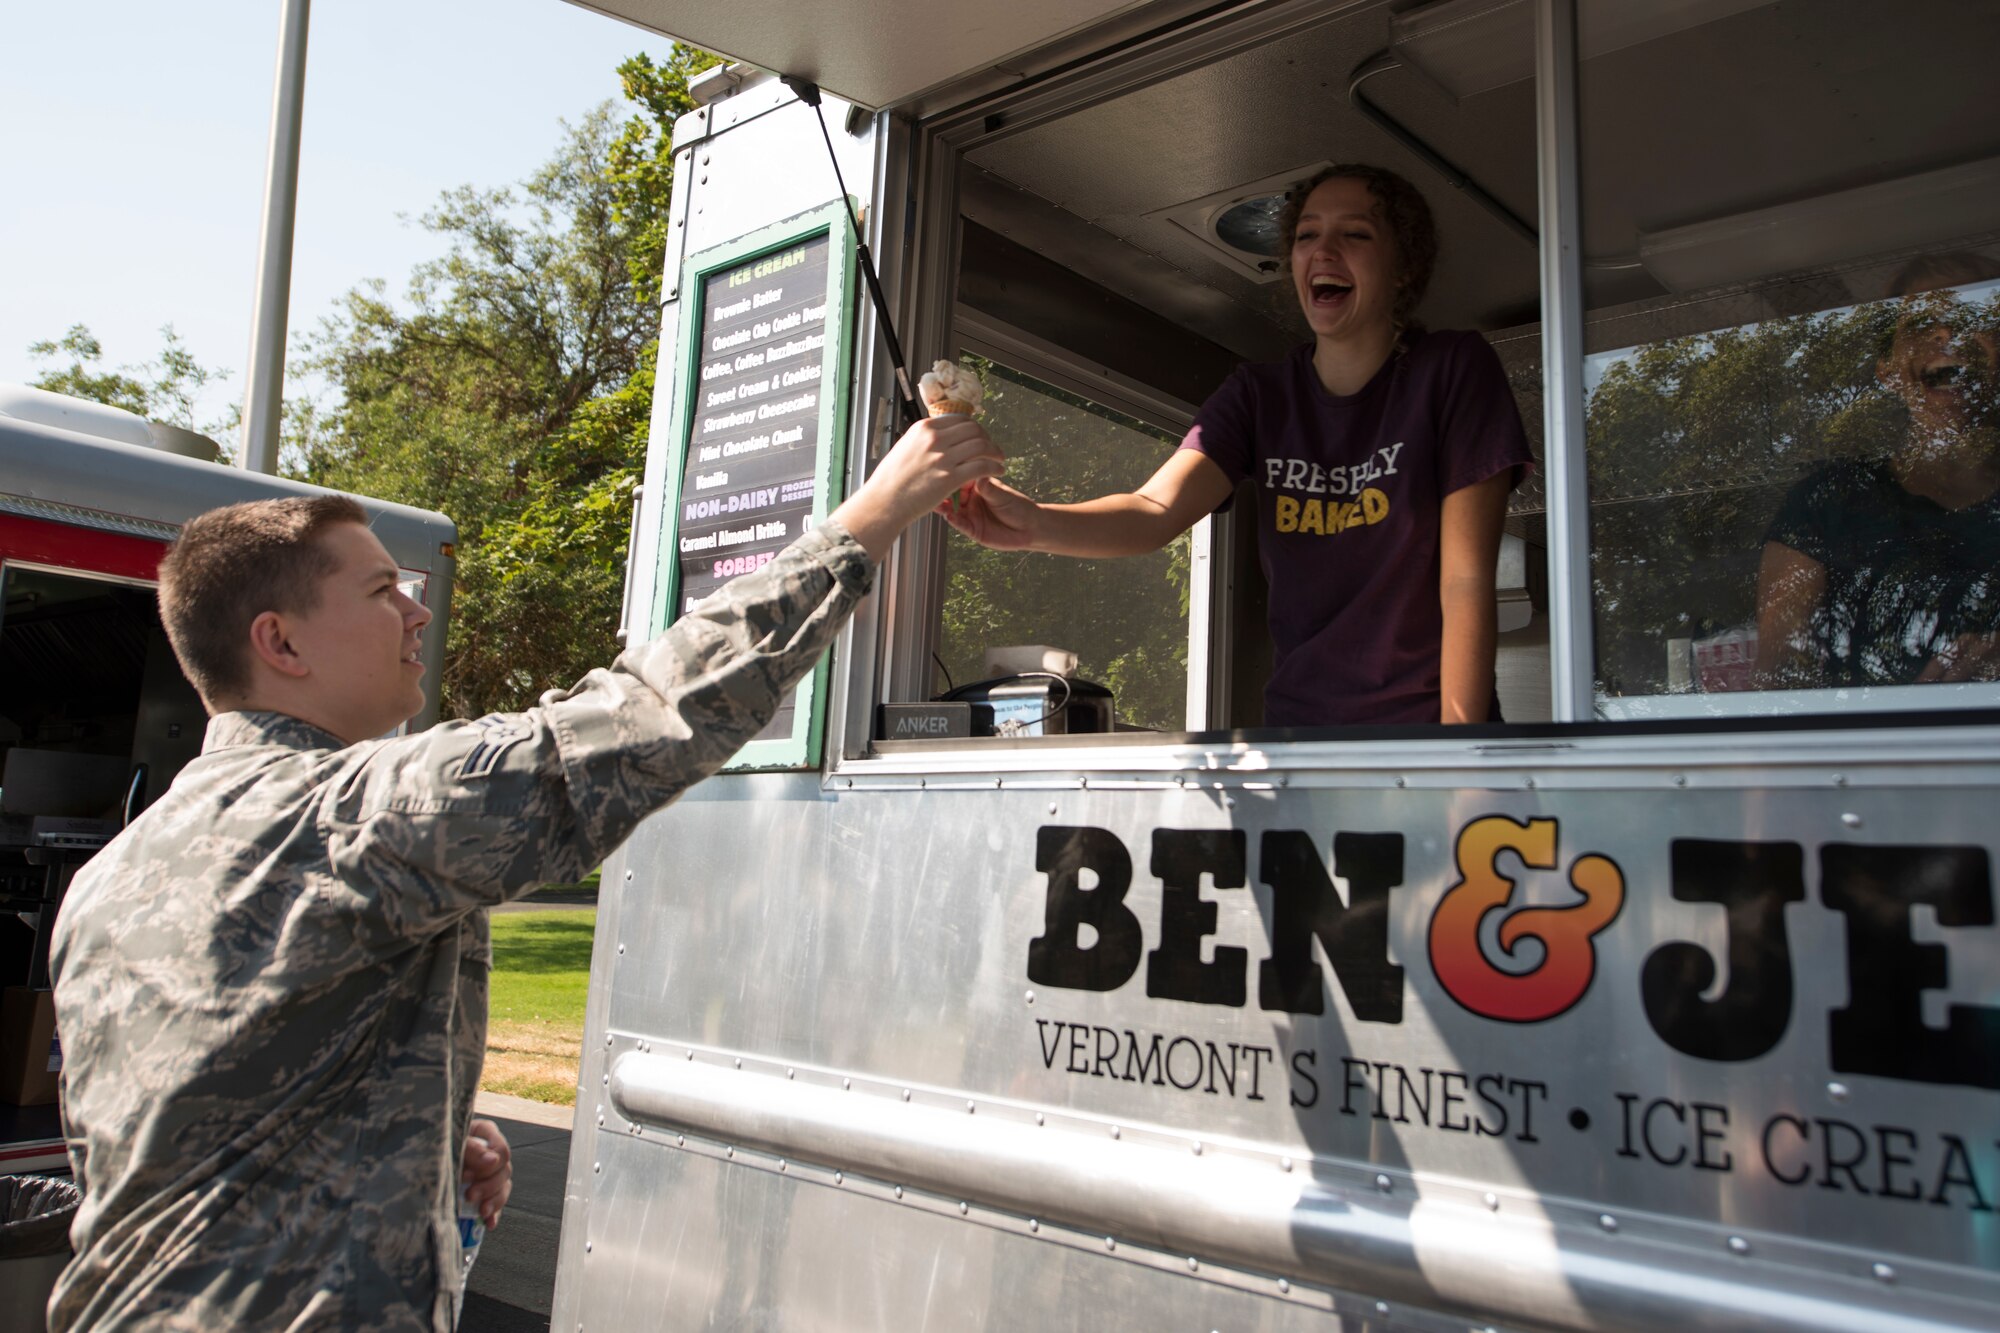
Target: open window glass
{"points": [[1792, 292]]}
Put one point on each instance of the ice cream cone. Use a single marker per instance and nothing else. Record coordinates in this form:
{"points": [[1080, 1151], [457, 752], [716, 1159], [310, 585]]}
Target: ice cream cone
{"points": [[951, 407]]}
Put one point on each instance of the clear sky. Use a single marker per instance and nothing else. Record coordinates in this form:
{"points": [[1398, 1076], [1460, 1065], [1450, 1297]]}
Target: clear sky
{"points": [[133, 136]]}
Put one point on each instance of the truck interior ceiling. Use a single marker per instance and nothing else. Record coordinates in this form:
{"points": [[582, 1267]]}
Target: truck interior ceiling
{"points": [[1757, 243]]}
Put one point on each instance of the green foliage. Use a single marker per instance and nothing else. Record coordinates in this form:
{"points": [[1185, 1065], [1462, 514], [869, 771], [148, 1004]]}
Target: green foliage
{"points": [[1127, 618], [166, 389], [511, 388]]}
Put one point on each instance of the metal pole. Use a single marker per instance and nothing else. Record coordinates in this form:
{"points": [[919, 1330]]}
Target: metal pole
{"points": [[264, 383], [1570, 644]]}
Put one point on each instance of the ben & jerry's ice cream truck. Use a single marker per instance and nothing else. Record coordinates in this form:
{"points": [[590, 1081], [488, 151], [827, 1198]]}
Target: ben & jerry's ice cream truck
{"points": [[1019, 977]]}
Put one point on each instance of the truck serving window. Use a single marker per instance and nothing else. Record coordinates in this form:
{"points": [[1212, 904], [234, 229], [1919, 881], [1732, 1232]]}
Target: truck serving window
{"points": [[1791, 291]]}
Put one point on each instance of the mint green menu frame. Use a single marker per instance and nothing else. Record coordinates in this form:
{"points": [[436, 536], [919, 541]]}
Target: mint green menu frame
{"points": [[802, 748]]}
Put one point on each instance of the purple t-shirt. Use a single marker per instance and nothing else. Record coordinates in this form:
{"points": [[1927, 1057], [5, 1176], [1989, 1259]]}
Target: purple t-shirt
{"points": [[1349, 494]]}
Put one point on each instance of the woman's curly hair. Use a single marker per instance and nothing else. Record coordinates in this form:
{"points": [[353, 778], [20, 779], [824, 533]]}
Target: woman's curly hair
{"points": [[1405, 213]]}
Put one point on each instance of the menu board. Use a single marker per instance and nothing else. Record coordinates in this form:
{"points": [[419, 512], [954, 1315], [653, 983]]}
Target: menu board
{"points": [[761, 403], [753, 453]]}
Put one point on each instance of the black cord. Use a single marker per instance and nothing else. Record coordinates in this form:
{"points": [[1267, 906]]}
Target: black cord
{"points": [[948, 686]]}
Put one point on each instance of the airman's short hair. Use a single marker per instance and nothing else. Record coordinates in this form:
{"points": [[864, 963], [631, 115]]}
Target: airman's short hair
{"points": [[231, 565]]}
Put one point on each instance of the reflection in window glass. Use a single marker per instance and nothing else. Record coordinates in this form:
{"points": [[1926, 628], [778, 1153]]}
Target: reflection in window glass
{"points": [[1802, 502], [1126, 619], [1791, 281]]}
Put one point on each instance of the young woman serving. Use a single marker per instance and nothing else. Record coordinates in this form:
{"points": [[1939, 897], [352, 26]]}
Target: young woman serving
{"points": [[1382, 457]]}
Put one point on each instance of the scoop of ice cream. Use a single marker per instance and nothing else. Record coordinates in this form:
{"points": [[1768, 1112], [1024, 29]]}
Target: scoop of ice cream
{"points": [[949, 382]]}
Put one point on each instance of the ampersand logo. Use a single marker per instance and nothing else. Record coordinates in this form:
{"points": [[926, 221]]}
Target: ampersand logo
{"points": [[1569, 957]]}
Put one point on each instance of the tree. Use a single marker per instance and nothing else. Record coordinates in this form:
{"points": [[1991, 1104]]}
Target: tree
{"points": [[167, 389], [512, 390]]}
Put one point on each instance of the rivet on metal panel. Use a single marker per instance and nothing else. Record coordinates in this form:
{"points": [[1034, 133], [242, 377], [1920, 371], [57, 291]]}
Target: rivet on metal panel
{"points": [[970, 1107], [846, 1084], [1851, 819], [1840, 779], [1194, 1264], [1040, 1119], [628, 877], [1052, 807], [1384, 1184], [606, 1080], [1195, 1148], [739, 1062], [1110, 1242], [906, 1094], [1083, 784], [680, 1140], [729, 1152], [782, 1164], [1680, 780], [586, 1247], [621, 948], [1030, 997], [840, 1177], [1837, 1091], [1492, 1201], [1382, 1307], [1116, 1132], [1402, 782], [690, 1052], [1738, 1245], [1284, 1287], [850, 784], [1607, 1222], [1033, 1225], [707, 158], [1284, 1163], [791, 1073], [899, 1191], [1530, 784], [600, 1122], [963, 1208], [607, 1039], [1884, 1272], [1228, 801], [596, 1168]]}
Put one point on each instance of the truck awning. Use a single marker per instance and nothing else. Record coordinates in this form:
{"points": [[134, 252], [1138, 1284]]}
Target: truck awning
{"points": [[879, 53]]}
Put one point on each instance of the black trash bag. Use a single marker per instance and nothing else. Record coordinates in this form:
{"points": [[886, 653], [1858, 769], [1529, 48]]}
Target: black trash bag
{"points": [[35, 1213]]}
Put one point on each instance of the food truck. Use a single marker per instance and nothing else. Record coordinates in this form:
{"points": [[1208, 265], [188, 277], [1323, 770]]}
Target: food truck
{"points": [[95, 715], [1671, 1002]]}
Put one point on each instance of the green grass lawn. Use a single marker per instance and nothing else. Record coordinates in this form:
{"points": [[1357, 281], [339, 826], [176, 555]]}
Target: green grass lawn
{"points": [[541, 970]]}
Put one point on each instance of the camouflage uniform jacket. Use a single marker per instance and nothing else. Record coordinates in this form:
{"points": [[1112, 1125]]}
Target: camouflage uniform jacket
{"points": [[272, 986]]}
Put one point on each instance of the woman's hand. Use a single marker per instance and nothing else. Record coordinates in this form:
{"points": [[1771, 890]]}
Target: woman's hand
{"points": [[995, 515], [486, 1170]]}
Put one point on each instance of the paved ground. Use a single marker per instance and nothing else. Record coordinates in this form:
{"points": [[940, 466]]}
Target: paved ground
{"points": [[514, 1282]]}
